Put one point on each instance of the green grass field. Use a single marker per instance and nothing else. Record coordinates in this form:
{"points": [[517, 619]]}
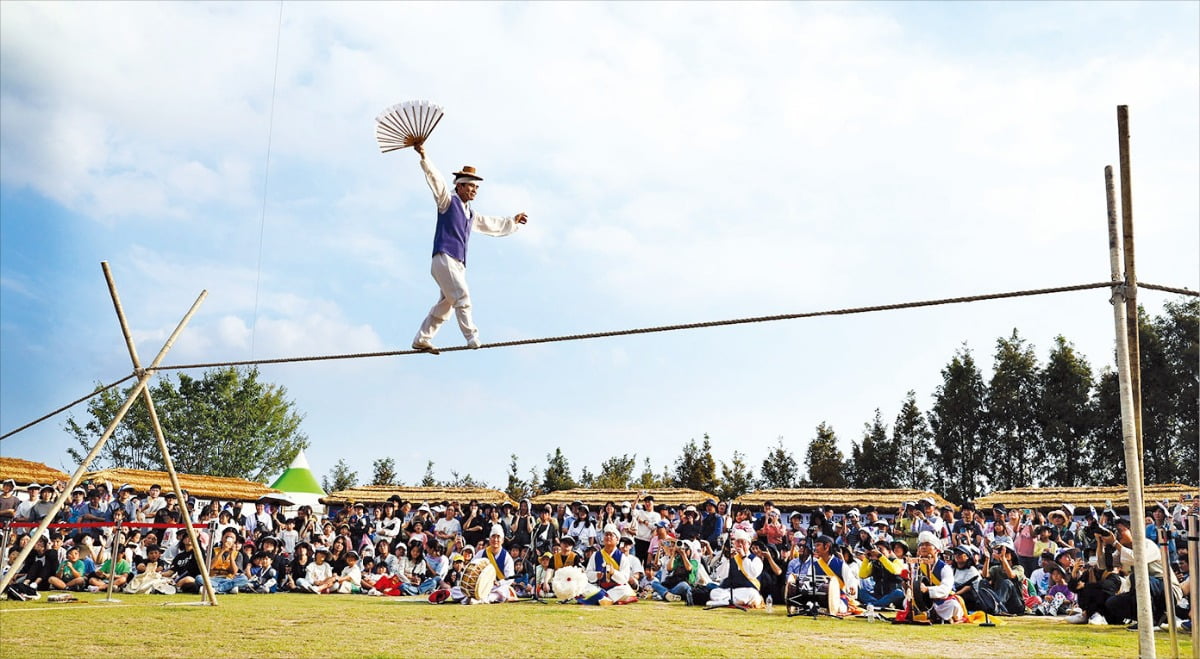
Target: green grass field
{"points": [[287, 625]]}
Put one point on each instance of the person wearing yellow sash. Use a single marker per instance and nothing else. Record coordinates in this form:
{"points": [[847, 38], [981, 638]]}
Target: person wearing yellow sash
{"points": [[741, 587], [610, 568], [501, 562], [825, 577], [934, 583]]}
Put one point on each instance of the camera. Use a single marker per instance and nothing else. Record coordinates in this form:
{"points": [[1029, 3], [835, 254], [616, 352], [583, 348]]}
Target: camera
{"points": [[1094, 527]]}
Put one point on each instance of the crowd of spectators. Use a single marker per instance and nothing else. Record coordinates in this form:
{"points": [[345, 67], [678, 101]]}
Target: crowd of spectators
{"points": [[1067, 562]]}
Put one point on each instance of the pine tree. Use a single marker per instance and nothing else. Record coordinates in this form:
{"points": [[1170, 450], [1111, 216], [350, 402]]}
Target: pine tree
{"points": [[736, 478], [586, 478], [695, 468], [873, 463], [340, 477], [616, 473], [1067, 417], [1178, 329], [826, 466], [558, 473], [384, 472], [647, 480], [913, 444], [462, 481], [428, 480], [957, 425], [779, 468], [1108, 447], [516, 489], [1170, 374], [1011, 430]]}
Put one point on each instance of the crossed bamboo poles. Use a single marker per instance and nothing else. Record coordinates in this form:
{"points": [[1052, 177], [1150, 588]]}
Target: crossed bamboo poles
{"points": [[142, 389]]}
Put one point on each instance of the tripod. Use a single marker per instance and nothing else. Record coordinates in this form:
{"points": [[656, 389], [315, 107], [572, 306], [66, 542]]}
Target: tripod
{"points": [[532, 566]]}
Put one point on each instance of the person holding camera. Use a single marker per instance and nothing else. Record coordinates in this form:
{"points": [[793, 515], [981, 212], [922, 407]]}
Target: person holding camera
{"points": [[928, 519], [1006, 576], [681, 571], [771, 578], [1123, 606], [885, 571], [967, 530]]}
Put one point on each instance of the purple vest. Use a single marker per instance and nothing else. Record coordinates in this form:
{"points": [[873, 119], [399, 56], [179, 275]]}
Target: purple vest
{"points": [[453, 231]]}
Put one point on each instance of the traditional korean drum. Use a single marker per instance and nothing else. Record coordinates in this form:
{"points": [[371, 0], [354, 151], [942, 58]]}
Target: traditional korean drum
{"points": [[478, 579]]}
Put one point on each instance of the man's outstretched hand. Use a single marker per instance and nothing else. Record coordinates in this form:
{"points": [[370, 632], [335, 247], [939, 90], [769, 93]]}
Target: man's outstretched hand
{"points": [[521, 218], [420, 149]]}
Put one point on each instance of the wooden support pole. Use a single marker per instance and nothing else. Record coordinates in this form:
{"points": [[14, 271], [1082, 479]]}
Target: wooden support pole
{"points": [[1131, 305], [1168, 577], [143, 379], [1133, 457], [158, 435]]}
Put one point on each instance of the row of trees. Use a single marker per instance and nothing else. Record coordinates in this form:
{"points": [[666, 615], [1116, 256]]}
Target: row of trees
{"points": [[1029, 424]]}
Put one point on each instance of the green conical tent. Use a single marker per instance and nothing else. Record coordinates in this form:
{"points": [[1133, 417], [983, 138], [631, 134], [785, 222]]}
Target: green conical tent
{"points": [[298, 482]]}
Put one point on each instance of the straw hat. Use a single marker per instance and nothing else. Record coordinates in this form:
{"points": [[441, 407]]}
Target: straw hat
{"points": [[467, 172]]}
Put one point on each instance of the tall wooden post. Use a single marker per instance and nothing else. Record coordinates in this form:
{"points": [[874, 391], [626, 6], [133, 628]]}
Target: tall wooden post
{"points": [[1133, 455], [1131, 307]]}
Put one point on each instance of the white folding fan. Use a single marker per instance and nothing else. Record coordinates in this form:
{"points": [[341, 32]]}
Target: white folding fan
{"points": [[406, 124]]}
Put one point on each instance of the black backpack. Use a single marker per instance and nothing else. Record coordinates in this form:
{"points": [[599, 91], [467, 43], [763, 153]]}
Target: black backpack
{"points": [[989, 602]]}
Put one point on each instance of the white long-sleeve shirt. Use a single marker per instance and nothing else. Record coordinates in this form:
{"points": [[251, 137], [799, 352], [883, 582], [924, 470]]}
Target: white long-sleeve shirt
{"points": [[491, 225]]}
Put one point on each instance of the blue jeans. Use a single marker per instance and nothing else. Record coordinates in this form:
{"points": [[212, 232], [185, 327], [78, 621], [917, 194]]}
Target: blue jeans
{"points": [[427, 586], [866, 598], [223, 585], [681, 589]]}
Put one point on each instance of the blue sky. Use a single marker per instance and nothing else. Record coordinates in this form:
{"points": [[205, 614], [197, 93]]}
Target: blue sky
{"points": [[679, 162]]}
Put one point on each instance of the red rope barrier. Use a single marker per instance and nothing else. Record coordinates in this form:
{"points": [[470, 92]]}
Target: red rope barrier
{"points": [[104, 525]]}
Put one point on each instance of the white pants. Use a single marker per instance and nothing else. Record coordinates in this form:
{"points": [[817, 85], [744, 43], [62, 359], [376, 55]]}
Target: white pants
{"points": [[451, 277], [501, 592], [618, 593], [748, 597]]}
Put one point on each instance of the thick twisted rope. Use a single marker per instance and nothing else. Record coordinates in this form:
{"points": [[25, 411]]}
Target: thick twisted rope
{"points": [[68, 406], [652, 330], [1169, 289], [628, 332]]}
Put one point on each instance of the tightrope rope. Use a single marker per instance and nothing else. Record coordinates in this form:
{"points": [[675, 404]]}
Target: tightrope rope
{"points": [[68, 406], [651, 330], [627, 332], [1169, 289]]}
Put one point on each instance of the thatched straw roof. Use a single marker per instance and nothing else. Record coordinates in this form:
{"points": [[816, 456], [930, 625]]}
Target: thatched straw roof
{"points": [[1048, 498], [203, 487], [593, 497], [25, 472], [806, 499], [369, 494]]}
